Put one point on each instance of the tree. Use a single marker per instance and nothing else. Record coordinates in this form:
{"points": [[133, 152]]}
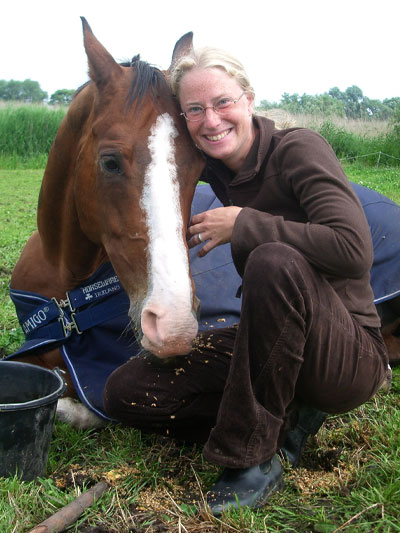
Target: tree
{"points": [[376, 109], [336, 93], [392, 103], [25, 91], [62, 97], [395, 120], [319, 104], [350, 104], [354, 100], [10, 90], [31, 92], [324, 104], [265, 105]]}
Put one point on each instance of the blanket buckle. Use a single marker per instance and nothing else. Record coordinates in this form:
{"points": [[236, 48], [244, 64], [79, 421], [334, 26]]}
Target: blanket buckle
{"points": [[68, 323]]}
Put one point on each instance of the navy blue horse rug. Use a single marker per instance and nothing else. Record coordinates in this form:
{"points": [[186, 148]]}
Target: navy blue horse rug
{"points": [[383, 217], [91, 326]]}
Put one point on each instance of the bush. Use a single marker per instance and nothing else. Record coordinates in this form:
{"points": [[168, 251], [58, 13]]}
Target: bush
{"points": [[28, 131], [348, 145], [344, 144]]}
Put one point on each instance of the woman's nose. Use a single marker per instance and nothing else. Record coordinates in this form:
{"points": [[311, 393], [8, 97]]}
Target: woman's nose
{"points": [[211, 117]]}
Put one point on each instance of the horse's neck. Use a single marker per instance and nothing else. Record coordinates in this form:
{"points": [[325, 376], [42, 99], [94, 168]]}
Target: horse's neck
{"points": [[64, 245]]}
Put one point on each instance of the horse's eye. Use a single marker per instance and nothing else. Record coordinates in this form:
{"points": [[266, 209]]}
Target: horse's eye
{"points": [[111, 164]]}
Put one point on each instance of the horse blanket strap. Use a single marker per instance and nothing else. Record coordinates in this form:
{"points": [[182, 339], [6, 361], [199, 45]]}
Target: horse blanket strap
{"points": [[101, 299], [91, 326]]}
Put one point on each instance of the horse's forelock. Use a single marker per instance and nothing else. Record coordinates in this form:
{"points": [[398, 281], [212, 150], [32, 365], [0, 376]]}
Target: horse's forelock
{"points": [[146, 79]]}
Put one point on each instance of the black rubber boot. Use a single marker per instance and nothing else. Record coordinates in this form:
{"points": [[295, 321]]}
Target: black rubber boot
{"points": [[238, 487], [309, 422]]}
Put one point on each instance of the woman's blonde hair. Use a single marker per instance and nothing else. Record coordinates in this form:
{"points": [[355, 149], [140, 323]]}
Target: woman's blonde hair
{"points": [[209, 58]]}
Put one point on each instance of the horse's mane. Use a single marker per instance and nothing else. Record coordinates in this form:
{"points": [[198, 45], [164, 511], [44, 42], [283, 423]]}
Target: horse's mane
{"points": [[146, 78]]}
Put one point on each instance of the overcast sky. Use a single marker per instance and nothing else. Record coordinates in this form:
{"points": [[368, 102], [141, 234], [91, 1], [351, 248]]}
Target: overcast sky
{"points": [[288, 46]]}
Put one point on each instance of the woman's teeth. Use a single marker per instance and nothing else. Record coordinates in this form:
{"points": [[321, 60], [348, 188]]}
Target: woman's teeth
{"points": [[217, 137]]}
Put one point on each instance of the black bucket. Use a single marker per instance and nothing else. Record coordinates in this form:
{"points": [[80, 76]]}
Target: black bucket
{"points": [[28, 400]]}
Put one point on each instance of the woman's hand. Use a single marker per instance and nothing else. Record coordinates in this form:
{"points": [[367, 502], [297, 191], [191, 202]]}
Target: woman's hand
{"points": [[214, 226]]}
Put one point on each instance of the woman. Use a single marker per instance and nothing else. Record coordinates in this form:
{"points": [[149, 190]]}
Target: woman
{"points": [[308, 331]]}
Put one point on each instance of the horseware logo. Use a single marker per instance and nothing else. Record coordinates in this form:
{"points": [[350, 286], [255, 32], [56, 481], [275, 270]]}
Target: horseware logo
{"points": [[99, 284], [106, 286]]}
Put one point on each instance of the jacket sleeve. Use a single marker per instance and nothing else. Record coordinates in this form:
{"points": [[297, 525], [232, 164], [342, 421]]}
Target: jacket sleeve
{"points": [[336, 237]]}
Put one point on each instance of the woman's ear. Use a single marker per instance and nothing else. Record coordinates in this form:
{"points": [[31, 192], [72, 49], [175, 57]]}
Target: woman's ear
{"points": [[250, 104]]}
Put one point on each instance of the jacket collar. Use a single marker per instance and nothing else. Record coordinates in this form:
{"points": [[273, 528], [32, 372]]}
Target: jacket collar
{"points": [[252, 164]]}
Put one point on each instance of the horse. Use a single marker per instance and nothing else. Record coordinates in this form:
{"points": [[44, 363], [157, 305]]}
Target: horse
{"points": [[118, 187]]}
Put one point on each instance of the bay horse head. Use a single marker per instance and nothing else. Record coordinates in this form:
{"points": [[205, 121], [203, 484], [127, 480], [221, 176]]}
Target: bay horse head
{"points": [[118, 186]]}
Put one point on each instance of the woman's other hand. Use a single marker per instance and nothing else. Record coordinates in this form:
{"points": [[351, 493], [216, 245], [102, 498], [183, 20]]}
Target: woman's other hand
{"points": [[214, 227]]}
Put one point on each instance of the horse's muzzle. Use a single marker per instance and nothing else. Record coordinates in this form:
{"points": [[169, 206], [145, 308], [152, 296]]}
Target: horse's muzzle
{"points": [[168, 334]]}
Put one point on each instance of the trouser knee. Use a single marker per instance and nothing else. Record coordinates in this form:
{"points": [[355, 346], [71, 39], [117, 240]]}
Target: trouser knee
{"points": [[277, 270]]}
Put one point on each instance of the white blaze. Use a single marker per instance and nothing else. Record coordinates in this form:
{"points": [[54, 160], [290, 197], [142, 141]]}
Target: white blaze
{"points": [[170, 289]]}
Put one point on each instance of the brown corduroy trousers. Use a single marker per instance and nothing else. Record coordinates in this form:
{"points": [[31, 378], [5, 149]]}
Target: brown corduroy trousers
{"points": [[295, 342]]}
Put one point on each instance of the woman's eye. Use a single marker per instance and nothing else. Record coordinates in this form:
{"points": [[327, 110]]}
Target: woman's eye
{"points": [[111, 164], [195, 110], [224, 102]]}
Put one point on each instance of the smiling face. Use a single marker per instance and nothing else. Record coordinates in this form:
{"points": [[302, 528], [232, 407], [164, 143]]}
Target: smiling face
{"points": [[229, 136]]}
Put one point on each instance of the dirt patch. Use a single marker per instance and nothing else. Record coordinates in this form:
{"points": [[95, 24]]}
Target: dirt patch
{"points": [[320, 472], [74, 477], [326, 460]]}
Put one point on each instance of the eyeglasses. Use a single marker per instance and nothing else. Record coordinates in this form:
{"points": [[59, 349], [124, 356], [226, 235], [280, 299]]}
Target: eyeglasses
{"points": [[197, 112]]}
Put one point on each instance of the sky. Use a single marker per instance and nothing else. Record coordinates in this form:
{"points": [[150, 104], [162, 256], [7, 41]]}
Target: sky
{"points": [[287, 46]]}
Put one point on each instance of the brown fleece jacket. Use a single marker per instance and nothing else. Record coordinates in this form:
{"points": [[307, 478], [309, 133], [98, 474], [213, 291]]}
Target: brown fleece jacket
{"points": [[293, 189]]}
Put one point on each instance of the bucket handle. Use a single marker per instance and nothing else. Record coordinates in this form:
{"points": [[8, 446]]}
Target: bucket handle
{"points": [[60, 373], [53, 397]]}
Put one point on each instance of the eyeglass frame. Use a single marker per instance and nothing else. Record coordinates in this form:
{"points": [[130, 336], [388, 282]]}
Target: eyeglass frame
{"points": [[204, 109]]}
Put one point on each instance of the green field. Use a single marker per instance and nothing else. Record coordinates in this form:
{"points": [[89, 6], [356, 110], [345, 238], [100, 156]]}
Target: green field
{"points": [[348, 481]]}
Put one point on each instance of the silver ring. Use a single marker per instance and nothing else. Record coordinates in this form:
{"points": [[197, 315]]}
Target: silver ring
{"points": [[199, 237]]}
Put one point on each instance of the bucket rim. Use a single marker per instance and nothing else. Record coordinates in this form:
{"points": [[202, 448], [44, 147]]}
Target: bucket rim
{"points": [[44, 400]]}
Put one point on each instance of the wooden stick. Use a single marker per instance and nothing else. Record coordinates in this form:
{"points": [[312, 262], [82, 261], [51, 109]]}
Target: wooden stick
{"points": [[71, 512]]}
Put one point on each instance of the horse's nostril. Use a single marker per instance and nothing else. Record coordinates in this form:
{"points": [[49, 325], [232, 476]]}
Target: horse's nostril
{"points": [[168, 331], [150, 324]]}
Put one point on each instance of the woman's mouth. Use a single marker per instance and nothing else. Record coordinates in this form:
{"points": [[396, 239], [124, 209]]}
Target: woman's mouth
{"points": [[218, 137]]}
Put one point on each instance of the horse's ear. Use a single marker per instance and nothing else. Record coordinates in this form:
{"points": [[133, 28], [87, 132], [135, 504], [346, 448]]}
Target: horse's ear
{"points": [[182, 48], [102, 65]]}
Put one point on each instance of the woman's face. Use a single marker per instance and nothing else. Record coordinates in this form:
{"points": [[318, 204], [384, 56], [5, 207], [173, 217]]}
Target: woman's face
{"points": [[229, 136]]}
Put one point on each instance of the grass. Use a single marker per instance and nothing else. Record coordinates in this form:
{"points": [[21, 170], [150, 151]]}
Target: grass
{"points": [[359, 127], [19, 190], [385, 180], [348, 479]]}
